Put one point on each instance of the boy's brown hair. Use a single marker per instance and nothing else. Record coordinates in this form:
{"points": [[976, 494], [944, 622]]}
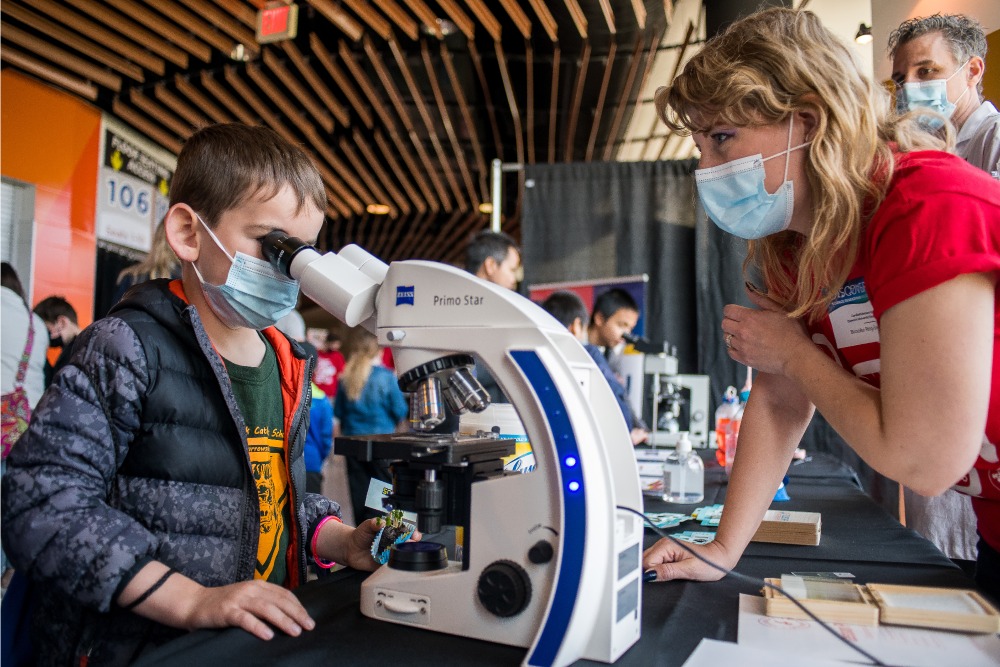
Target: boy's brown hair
{"points": [[222, 166]]}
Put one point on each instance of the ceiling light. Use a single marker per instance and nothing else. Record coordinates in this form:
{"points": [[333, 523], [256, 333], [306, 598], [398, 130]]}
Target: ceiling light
{"points": [[378, 209], [486, 208], [864, 35]]}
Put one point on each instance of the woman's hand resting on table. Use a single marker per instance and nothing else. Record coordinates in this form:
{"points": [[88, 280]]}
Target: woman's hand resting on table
{"points": [[671, 561]]}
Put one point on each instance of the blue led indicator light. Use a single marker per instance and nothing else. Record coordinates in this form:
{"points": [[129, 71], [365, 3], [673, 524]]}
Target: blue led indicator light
{"points": [[574, 486], [570, 461]]}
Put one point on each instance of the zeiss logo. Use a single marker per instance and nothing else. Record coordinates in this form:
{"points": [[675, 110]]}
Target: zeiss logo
{"points": [[404, 295]]}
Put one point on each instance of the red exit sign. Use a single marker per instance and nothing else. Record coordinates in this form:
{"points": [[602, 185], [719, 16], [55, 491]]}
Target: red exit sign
{"points": [[277, 21]]}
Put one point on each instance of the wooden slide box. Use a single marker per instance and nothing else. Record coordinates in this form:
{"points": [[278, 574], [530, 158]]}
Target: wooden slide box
{"points": [[939, 608], [783, 527], [955, 609], [854, 605]]}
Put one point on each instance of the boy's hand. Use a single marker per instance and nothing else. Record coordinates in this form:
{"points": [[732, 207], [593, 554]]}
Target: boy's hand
{"points": [[359, 545], [250, 605]]}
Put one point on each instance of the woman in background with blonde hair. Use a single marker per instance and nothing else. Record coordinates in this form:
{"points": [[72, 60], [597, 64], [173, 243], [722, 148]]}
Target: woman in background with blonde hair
{"points": [[161, 262], [879, 257], [368, 402]]}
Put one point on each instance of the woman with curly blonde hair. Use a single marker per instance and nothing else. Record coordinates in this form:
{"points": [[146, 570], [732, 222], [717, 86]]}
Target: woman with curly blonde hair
{"points": [[877, 251]]}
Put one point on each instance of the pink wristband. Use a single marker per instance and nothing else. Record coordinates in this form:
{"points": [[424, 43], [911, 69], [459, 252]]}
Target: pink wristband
{"points": [[325, 564]]}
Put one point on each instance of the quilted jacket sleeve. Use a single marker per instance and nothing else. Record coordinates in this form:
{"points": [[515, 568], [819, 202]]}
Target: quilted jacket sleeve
{"points": [[59, 525]]}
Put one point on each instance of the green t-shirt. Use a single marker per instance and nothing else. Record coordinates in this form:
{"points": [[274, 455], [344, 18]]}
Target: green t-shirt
{"points": [[258, 395]]}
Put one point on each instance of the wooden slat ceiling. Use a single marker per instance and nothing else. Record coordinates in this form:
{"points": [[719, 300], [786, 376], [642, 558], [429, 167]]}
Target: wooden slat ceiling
{"points": [[400, 102]]}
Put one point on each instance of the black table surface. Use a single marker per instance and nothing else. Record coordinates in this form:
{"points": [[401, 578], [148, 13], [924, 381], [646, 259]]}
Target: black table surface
{"points": [[857, 537]]}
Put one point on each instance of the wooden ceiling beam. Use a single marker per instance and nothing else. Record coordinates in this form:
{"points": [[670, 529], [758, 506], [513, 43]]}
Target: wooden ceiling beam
{"points": [[517, 15], [554, 104], [625, 96], [316, 85], [161, 115], [214, 111], [425, 116], [486, 18], [406, 202], [545, 17], [269, 116], [639, 9], [342, 209], [461, 20], [141, 123], [339, 18], [179, 106], [371, 17], [470, 125], [601, 97], [72, 39], [417, 171], [240, 11], [307, 100], [46, 50], [399, 16], [225, 22], [609, 15], [379, 185], [477, 63], [427, 17], [449, 128], [389, 153], [579, 18], [126, 26], [343, 83], [124, 47], [511, 101], [688, 35], [197, 25], [574, 107], [231, 104], [168, 29], [11, 56]]}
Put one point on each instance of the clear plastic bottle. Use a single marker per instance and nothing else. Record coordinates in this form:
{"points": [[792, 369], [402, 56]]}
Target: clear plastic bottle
{"points": [[683, 474], [726, 411]]}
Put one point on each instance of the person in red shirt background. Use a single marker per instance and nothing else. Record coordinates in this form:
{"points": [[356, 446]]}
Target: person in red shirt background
{"points": [[330, 363], [879, 257]]}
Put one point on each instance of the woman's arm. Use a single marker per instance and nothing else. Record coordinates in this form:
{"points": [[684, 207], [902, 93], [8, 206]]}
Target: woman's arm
{"points": [[775, 418], [924, 428]]}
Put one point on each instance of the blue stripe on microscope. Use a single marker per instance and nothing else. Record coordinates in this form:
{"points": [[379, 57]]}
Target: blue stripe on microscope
{"points": [[574, 508]]}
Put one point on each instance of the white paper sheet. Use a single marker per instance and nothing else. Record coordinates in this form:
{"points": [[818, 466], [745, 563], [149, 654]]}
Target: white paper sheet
{"points": [[712, 653], [894, 645]]}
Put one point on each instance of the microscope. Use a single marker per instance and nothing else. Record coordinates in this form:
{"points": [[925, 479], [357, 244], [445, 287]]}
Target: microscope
{"points": [[549, 561]]}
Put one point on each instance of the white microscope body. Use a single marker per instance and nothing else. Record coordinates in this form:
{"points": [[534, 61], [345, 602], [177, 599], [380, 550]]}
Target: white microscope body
{"points": [[584, 601]]}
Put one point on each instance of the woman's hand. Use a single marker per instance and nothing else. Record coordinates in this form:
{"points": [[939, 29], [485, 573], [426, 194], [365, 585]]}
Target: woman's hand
{"points": [[765, 337], [672, 561]]}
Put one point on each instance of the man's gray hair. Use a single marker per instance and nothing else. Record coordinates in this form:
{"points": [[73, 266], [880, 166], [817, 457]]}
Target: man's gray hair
{"points": [[964, 35]]}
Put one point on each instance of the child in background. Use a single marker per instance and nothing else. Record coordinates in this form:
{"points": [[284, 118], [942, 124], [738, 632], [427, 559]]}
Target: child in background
{"points": [[160, 486], [368, 402]]}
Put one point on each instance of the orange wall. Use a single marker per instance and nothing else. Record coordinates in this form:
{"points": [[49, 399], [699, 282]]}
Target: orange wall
{"points": [[51, 139]]}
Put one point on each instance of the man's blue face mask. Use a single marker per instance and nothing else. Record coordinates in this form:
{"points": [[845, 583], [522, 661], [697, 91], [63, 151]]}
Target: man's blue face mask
{"points": [[254, 296], [931, 95], [734, 197]]}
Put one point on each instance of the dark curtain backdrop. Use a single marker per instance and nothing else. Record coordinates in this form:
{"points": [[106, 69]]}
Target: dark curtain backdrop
{"points": [[599, 220]]}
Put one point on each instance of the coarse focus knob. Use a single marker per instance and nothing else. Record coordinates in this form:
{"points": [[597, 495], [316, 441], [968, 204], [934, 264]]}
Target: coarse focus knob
{"points": [[541, 552], [504, 588]]}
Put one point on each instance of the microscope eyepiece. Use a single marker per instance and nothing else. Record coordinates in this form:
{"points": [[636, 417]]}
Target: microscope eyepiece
{"points": [[280, 249]]}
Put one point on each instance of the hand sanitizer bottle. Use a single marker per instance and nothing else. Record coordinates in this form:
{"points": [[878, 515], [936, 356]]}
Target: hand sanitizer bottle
{"points": [[683, 474]]}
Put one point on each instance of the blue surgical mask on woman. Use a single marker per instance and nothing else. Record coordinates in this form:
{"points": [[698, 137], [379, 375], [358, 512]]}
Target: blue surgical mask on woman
{"points": [[931, 95], [254, 296], [734, 197]]}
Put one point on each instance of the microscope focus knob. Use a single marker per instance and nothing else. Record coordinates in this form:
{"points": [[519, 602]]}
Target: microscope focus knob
{"points": [[541, 552], [504, 588]]}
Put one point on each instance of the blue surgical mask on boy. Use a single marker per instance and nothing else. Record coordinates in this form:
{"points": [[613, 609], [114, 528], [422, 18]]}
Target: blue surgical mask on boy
{"points": [[254, 296], [734, 197], [931, 95]]}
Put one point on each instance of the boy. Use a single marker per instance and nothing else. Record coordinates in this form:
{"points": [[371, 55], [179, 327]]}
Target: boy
{"points": [[160, 486], [569, 310]]}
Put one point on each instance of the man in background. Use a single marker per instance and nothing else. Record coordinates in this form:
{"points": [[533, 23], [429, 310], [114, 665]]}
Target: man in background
{"points": [[494, 257], [61, 321], [938, 63]]}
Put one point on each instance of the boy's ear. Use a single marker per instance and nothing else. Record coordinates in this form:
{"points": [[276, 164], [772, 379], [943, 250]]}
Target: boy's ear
{"points": [[181, 228]]}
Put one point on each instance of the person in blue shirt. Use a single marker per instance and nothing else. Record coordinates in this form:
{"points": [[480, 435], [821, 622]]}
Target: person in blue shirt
{"points": [[368, 402], [569, 310]]}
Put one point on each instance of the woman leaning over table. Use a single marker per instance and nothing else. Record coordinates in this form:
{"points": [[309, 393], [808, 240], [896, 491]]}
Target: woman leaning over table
{"points": [[879, 255]]}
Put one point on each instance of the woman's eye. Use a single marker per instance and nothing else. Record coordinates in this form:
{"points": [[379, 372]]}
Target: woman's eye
{"points": [[721, 137]]}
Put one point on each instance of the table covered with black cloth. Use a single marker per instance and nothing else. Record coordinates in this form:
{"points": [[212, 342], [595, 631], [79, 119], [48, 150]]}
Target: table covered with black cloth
{"points": [[857, 537]]}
